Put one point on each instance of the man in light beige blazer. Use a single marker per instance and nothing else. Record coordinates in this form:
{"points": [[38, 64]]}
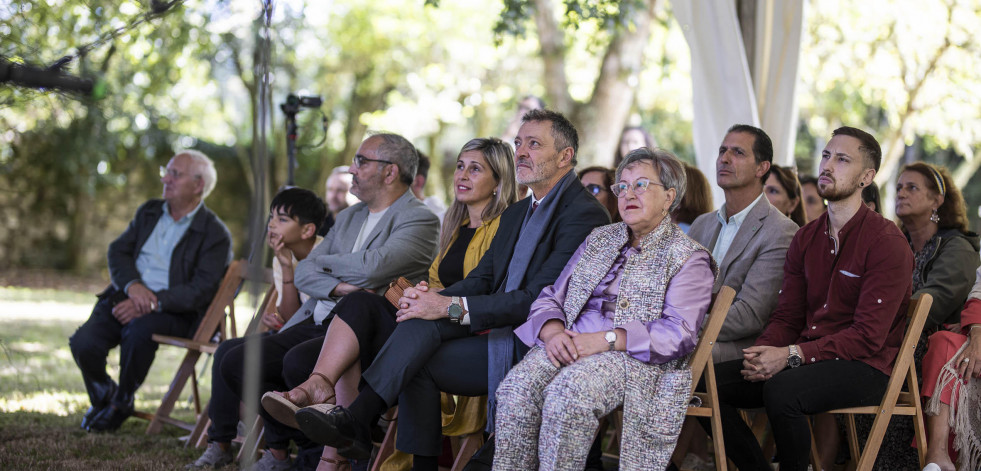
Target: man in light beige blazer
{"points": [[747, 237]]}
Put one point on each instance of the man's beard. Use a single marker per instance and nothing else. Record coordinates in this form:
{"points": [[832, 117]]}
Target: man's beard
{"points": [[836, 192]]}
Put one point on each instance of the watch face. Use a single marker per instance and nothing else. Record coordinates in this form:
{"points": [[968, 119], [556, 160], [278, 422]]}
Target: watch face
{"points": [[455, 311], [794, 361], [611, 337]]}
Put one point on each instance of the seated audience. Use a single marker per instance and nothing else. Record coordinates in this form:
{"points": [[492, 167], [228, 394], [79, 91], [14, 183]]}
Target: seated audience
{"points": [[632, 137], [437, 344], [871, 197], [165, 269], [814, 205], [696, 201], [294, 217], [952, 366], [783, 191], [846, 275], [748, 238], [484, 186], [598, 181], [338, 196], [933, 217], [389, 234], [636, 290]]}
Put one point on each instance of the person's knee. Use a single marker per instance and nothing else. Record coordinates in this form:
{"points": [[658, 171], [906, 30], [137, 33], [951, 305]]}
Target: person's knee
{"points": [[945, 340], [296, 367], [780, 399], [231, 364]]}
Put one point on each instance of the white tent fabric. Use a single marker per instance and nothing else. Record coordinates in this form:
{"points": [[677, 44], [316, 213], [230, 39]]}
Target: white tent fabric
{"points": [[777, 52], [722, 88]]}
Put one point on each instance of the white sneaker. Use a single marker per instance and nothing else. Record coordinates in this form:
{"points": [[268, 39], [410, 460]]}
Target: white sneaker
{"points": [[932, 467], [213, 457], [268, 462]]}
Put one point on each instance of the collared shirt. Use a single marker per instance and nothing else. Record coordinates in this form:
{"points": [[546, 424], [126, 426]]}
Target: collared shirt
{"points": [[847, 299], [153, 262], [729, 229]]}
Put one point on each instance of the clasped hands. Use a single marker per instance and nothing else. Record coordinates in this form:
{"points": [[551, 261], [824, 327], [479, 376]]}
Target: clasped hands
{"points": [[419, 303], [761, 362], [564, 347], [141, 302]]}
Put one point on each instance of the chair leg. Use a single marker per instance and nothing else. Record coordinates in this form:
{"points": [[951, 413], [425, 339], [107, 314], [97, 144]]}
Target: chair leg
{"points": [[185, 371], [387, 446], [198, 432], [718, 446], [468, 446], [919, 425]]}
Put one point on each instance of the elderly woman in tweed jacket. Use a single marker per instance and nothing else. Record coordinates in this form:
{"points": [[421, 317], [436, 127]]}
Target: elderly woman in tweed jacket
{"points": [[616, 328]]}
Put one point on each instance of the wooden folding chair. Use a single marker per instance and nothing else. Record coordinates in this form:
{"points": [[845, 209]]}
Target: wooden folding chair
{"points": [[701, 364], [198, 437], [895, 401], [222, 306]]}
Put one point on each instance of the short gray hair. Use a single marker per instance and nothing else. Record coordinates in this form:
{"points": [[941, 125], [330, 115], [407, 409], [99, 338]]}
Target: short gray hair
{"points": [[204, 168], [400, 152], [669, 170]]}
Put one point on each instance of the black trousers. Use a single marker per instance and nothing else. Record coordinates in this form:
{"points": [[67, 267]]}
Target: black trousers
{"points": [[91, 343], [789, 397], [420, 359], [275, 357]]}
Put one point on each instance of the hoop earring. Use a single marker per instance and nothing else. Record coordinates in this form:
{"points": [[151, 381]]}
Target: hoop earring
{"points": [[934, 217]]}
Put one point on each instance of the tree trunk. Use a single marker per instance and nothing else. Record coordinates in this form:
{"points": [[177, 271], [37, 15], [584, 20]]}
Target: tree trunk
{"points": [[552, 42], [601, 120]]}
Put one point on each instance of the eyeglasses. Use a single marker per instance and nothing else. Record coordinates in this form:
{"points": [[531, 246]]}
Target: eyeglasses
{"points": [[359, 160], [594, 188], [639, 187], [174, 173]]}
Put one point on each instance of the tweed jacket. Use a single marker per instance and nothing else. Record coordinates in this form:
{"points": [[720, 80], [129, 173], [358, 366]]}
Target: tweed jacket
{"points": [[652, 390], [197, 263], [403, 243], [753, 266]]}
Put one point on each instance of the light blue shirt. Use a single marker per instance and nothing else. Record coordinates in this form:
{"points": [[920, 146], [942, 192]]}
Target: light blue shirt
{"points": [[729, 229], [153, 262]]}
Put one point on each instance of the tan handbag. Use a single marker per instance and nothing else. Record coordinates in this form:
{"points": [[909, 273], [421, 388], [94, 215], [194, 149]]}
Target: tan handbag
{"points": [[395, 290]]}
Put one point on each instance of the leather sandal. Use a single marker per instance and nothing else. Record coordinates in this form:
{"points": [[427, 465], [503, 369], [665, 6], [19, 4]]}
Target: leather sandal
{"points": [[284, 410], [339, 464]]}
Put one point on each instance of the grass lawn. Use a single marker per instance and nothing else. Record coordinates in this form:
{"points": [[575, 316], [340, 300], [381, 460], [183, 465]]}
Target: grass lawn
{"points": [[42, 397]]}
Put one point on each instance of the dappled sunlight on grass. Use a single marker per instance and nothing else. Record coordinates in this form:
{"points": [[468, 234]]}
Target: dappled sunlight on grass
{"points": [[42, 397], [60, 403]]}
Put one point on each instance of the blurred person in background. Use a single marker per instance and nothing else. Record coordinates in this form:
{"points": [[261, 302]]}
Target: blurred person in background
{"points": [[599, 180], [784, 192]]}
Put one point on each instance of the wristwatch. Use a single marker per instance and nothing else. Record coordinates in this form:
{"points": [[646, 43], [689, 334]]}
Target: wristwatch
{"points": [[611, 336], [455, 310], [794, 359]]}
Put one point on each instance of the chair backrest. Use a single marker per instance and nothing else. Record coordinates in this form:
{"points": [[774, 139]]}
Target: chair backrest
{"points": [[224, 298], [713, 324], [916, 315]]}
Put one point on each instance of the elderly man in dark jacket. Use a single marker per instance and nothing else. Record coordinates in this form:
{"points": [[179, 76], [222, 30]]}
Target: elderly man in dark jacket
{"points": [[165, 268]]}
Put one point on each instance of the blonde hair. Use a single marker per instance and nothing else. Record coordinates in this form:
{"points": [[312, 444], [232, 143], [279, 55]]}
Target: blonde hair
{"points": [[500, 159]]}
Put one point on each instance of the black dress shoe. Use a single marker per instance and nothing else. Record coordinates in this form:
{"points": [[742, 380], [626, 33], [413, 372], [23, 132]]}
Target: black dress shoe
{"points": [[110, 418], [336, 427], [90, 415]]}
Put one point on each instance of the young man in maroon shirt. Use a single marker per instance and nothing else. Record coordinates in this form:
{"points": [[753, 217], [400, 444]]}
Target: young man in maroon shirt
{"points": [[834, 336]]}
